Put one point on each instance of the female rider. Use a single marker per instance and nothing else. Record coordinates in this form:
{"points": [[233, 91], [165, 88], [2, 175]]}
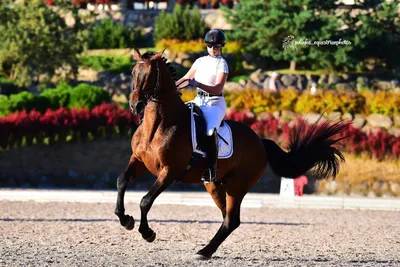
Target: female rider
{"points": [[209, 74]]}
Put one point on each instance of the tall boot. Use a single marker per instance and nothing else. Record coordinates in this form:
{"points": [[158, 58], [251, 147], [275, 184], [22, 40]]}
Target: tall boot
{"points": [[210, 174]]}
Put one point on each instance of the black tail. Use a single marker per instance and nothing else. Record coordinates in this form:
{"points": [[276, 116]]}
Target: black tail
{"points": [[310, 146]]}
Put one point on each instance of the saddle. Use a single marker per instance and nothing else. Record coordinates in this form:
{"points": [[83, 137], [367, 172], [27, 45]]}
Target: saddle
{"points": [[198, 134]]}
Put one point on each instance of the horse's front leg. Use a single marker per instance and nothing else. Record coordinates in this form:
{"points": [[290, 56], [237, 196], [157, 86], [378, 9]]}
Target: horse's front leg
{"points": [[163, 181], [134, 169]]}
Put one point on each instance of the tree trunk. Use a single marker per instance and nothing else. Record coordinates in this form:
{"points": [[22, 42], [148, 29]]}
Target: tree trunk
{"points": [[292, 65]]}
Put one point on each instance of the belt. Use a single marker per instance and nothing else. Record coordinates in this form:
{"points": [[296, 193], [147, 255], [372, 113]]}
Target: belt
{"points": [[201, 93]]}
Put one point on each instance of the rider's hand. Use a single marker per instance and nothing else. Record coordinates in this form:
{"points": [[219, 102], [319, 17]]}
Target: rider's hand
{"points": [[193, 83]]}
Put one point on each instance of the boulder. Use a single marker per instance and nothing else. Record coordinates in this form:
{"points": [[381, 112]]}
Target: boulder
{"points": [[334, 115], [302, 82], [347, 116], [253, 86], [288, 115], [312, 118], [359, 121], [323, 79], [288, 80], [396, 120], [257, 76], [334, 79], [394, 131], [345, 86], [383, 85], [378, 120], [232, 86]]}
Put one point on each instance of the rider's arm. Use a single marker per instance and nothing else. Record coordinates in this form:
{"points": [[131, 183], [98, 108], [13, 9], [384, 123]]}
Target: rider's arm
{"points": [[189, 75], [218, 87]]}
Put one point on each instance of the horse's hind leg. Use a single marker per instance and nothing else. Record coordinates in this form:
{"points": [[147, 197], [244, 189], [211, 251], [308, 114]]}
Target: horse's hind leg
{"points": [[134, 169], [230, 223], [218, 194], [162, 183]]}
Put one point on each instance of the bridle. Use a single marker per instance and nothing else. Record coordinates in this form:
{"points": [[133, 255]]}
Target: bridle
{"points": [[150, 95]]}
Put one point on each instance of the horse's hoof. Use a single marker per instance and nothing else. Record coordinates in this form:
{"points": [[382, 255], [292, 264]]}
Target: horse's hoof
{"points": [[130, 224], [152, 237], [201, 257]]}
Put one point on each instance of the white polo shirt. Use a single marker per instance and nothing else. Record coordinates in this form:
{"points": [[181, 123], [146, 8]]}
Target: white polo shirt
{"points": [[208, 67]]}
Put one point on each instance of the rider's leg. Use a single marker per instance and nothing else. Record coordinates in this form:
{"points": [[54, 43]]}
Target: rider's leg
{"points": [[210, 174]]}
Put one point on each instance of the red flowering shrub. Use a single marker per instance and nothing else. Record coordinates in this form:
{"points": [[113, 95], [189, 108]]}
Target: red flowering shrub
{"points": [[107, 120]]}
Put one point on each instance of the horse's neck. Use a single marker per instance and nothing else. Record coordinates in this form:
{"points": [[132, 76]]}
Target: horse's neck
{"points": [[165, 113]]}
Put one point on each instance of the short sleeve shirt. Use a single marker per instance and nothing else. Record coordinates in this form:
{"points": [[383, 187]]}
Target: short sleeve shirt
{"points": [[207, 69]]}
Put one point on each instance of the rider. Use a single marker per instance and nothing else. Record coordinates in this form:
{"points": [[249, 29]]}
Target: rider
{"points": [[209, 74]]}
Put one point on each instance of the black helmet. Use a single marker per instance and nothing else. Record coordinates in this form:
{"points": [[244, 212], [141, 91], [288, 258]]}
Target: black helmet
{"points": [[215, 36]]}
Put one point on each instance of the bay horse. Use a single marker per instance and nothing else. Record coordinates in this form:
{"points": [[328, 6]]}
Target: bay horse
{"points": [[162, 145]]}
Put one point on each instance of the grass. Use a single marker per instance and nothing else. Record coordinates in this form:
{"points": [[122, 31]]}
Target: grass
{"points": [[114, 64], [358, 169]]}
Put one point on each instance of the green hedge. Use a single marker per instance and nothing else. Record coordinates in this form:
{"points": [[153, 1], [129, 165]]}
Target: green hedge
{"points": [[83, 95]]}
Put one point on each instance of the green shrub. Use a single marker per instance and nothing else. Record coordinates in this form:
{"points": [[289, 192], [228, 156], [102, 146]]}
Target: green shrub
{"points": [[35, 41], [58, 97], [115, 64], [110, 34], [4, 105], [85, 95], [182, 24], [28, 101]]}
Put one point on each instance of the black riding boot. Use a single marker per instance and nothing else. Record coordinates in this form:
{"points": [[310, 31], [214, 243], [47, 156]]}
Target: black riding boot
{"points": [[212, 155]]}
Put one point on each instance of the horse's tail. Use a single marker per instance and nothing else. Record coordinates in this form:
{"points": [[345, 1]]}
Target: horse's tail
{"points": [[310, 146]]}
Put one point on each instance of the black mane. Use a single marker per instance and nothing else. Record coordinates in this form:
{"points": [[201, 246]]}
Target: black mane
{"points": [[148, 55]]}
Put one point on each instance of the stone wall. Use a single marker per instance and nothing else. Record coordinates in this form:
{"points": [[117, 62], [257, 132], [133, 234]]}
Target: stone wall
{"points": [[95, 165]]}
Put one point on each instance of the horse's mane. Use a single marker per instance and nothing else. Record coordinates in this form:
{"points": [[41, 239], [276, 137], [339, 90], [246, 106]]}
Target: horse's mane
{"points": [[148, 55]]}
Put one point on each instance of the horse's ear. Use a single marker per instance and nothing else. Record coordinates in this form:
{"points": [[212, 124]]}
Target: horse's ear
{"points": [[157, 56], [136, 55]]}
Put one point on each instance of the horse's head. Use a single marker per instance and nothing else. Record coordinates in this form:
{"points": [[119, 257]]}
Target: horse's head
{"points": [[150, 82]]}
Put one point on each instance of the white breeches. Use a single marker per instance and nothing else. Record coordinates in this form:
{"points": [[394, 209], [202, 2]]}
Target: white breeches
{"points": [[214, 109]]}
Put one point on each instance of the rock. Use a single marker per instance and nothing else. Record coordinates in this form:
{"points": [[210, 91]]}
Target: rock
{"points": [[242, 82], [345, 86], [359, 121], [378, 120], [394, 83], [334, 115], [288, 115], [187, 64], [312, 118], [257, 76], [334, 79], [383, 85], [396, 120], [276, 114], [331, 187], [395, 188], [253, 86], [394, 131], [368, 129], [302, 82], [265, 116], [288, 80], [347, 116], [232, 86], [323, 79]]}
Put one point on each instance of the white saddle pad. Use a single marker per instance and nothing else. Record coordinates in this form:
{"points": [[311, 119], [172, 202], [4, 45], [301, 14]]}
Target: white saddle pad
{"points": [[224, 150]]}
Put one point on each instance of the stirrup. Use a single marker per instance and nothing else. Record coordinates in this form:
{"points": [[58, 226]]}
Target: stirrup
{"points": [[206, 176]]}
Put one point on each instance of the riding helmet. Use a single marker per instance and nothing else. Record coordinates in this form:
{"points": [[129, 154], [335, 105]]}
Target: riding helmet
{"points": [[215, 36]]}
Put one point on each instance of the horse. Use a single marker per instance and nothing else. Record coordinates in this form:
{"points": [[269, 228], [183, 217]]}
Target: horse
{"points": [[162, 145]]}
